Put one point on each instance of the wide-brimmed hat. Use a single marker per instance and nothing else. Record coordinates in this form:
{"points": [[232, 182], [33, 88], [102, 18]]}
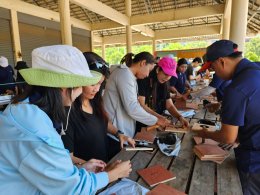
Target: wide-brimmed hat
{"points": [[168, 66], [59, 66], [3, 61]]}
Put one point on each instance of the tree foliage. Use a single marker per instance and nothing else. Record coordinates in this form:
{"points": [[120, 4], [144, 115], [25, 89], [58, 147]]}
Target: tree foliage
{"points": [[252, 51], [115, 54]]}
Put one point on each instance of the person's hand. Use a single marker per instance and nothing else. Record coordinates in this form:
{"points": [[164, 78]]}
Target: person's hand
{"points": [[112, 165], [9, 92], [121, 170], [123, 138], [184, 122], [163, 122], [213, 107], [94, 165]]}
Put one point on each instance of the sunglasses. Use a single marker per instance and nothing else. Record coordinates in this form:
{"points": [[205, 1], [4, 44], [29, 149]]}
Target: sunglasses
{"points": [[101, 67]]}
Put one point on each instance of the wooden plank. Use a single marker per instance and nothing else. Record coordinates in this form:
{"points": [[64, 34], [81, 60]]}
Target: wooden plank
{"points": [[123, 155], [160, 159], [182, 164], [228, 181], [140, 161], [202, 181]]}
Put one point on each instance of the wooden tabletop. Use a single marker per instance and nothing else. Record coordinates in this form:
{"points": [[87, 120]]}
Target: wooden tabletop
{"points": [[193, 176]]}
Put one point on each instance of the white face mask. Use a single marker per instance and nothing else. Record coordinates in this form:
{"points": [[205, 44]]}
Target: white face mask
{"points": [[63, 131]]}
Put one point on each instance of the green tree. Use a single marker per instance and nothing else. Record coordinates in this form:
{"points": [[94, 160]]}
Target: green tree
{"points": [[252, 51]]}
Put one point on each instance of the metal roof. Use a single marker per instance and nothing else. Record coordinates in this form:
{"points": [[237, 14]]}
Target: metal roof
{"points": [[142, 7]]}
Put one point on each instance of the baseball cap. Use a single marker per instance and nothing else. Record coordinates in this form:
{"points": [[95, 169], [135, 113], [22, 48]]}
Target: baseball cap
{"points": [[168, 66], [218, 49]]}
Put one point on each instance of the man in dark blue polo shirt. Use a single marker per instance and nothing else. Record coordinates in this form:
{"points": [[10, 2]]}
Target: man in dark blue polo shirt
{"points": [[240, 110]]}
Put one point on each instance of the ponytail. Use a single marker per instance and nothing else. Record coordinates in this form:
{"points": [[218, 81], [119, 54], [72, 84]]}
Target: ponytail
{"points": [[129, 60]]}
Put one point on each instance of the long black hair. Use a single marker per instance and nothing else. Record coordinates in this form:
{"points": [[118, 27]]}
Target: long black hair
{"points": [[48, 99], [98, 64], [131, 58]]}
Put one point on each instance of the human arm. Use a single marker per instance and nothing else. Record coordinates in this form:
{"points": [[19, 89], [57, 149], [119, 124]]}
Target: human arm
{"points": [[127, 91], [122, 138], [227, 134], [174, 112]]}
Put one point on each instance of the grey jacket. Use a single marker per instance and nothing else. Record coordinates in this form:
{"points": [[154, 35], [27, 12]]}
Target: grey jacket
{"points": [[121, 101]]}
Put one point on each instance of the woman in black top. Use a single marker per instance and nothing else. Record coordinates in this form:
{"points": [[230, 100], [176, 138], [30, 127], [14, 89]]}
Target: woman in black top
{"points": [[156, 86], [88, 124]]}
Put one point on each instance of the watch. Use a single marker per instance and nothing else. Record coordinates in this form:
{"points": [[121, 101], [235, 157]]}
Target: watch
{"points": [[118, 133]]}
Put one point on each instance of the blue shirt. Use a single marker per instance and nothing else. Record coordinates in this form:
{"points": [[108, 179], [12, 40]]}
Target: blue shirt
{"points": [[241, 107], [220, 86], [33, 159], [179, 83]]}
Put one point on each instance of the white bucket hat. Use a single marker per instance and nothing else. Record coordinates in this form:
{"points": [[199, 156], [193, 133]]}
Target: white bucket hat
{"points": [[59, 66], [3, 61]]}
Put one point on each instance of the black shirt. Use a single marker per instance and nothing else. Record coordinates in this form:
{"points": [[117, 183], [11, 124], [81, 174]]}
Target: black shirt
{"points": [[86, 135], [6, 76], [150, 86]]}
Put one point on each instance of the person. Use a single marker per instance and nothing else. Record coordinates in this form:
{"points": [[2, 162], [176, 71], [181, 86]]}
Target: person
{"points": [[19, 79], [192, 69], [216, 88], [179, 85], [156, 86], [86, 136], [240, 110], [121, 99], [6, 77], [32, 157]]}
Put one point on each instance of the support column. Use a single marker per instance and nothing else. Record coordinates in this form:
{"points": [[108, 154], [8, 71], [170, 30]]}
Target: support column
{"points": [[239, 23], [103, 51], [66, 36], [92, 41], [226, 28], [154, 46], [128, 8], [15, 36], [226, 20]]}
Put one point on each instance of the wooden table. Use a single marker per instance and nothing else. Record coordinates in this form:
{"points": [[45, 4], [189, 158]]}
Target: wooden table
{"points": [[193, 176]]}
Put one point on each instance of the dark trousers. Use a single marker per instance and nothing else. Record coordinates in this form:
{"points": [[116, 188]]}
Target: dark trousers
{"points": [[113, 147], [250, 183]]}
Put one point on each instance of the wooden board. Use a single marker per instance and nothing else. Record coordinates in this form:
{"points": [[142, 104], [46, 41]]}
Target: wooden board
{"points": [[202, 181], [155, 174], [182, 164], [228, 182], [140, 161], [159, 158]]}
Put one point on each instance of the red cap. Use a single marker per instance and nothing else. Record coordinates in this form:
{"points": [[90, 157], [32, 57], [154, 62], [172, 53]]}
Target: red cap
{"points": [[205, 66]]}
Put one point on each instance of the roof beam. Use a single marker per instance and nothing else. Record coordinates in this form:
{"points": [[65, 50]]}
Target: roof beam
{"points": [[166, 34], [103, 10], [40, 12], [178, 14], [166, 16], [144, 30], [187, 32]]}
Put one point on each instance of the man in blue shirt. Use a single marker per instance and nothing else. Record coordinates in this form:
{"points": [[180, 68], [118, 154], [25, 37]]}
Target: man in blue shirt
{"points": [[240, 110]]}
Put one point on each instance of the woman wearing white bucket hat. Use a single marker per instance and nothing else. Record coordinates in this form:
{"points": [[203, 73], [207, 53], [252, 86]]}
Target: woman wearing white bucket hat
{"points": [[32, 157]]}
